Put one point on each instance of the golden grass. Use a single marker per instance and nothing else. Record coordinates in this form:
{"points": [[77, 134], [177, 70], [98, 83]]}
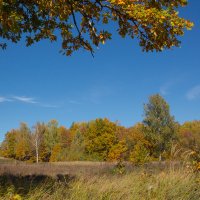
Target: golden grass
{"points": [[141, 183], [134, 186]]}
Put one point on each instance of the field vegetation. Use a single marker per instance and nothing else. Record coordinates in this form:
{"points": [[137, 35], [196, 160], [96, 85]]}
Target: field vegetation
{"points": [[98, 180]]}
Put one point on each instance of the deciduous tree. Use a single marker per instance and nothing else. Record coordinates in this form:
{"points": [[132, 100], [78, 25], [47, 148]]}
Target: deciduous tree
{"points": [[23, 147], [189, 136], [100, 137], [159, 125], [9, 144], [82, 23], [37, 139], [51, 137]]}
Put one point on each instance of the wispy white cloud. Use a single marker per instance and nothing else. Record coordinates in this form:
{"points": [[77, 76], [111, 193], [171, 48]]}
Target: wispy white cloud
{"points": [[3, 99], [193, 93], [25, 99]]}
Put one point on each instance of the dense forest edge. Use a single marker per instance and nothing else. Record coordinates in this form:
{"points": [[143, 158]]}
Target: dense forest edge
{"points": [[157, 138]]}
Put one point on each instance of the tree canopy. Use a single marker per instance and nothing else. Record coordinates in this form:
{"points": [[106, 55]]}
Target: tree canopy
{"points": [[159, 125], [81, 23]]}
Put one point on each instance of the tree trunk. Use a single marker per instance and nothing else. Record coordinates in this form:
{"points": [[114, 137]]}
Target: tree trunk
{"points": [[36, 150]]}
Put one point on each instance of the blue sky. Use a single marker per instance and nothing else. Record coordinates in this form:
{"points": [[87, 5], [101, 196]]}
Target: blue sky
{"points": [[39, 84]]}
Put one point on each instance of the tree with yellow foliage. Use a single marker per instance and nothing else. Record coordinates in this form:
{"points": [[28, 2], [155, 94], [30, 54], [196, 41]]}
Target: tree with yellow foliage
{"points": [[100, 137], [82, 23], [189, 137], [9, 144], [23, 147]]}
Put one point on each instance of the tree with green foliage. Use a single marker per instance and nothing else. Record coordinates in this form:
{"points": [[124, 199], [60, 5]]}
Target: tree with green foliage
{"points": [[159, 125], [51, 137], [76, 145], [77, 148], [82, 23]]}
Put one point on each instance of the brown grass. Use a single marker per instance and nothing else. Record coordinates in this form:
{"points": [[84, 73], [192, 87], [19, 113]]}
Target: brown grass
{"points": [[52, 169], [97, 181], [77, 168]]}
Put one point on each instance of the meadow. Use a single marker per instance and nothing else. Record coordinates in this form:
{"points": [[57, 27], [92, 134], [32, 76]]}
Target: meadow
{"points": [[97, 180]]}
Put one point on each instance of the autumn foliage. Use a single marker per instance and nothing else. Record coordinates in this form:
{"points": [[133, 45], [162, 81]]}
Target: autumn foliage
{"points": [[103, 140], [83, 23]]}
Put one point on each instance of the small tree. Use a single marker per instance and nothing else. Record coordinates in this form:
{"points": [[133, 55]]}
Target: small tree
{"points": [[9, 144], [139, 154], [22, 147], [51, 137], [37, 138], [189, 137], [159, 125]]}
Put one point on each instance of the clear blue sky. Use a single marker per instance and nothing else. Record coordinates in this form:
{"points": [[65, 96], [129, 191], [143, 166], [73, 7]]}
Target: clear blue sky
{"points": [[39, 84]]}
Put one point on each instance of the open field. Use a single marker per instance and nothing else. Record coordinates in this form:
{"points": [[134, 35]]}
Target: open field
{"points": [[79, 168], [52, 169], [97, 180], [7, 160]]}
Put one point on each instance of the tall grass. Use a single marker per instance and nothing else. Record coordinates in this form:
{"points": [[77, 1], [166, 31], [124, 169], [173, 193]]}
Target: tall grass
{"points": [[132, 186], [139, 184]]}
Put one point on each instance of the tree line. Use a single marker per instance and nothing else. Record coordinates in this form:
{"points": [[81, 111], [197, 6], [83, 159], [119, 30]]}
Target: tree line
{"points": [[155, 138]]}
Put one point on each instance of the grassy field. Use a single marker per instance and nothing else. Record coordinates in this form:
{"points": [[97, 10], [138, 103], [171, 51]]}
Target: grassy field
{"points": [[7, 160], [97, 180]]}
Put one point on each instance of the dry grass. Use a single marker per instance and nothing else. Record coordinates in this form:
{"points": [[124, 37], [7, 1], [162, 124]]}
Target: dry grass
{"points": [[77, 168], [52, 169], [97, 181], [137, 186], [6, 160]]}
